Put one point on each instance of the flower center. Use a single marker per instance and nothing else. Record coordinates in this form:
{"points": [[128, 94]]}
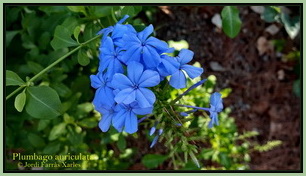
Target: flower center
{"points": [[135, 86]]}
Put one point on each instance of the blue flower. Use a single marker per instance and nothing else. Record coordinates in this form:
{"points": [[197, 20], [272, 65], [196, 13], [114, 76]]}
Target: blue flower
{"points": [[107, 116], [104, 96], [216, 106], [110, 58], [126, 117], [142, 48], [133, 87], [167, 66], [178, 79], [160, 131], [108, 30]]}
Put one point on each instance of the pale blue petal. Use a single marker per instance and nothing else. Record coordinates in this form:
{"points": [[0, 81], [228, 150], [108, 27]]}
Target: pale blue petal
{"points": [[131, 54], [105, 122], [149, 78], [216, 101], [131, 125], [104, 62], [126, 96], [185, 56], [131, 40], [178, 80], [159, 45], [114, 67], [152, 130], [119, 119], [145, 97], [104, 97], [120, 81], [192, 71], [170, 64], [95, 81], [143, 35], [143, 111], [150, 57], [123, 19], [154, 141], [134, 70]]}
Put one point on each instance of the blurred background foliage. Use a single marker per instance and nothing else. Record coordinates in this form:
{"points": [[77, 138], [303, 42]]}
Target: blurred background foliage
{"points": [[36, 36]]}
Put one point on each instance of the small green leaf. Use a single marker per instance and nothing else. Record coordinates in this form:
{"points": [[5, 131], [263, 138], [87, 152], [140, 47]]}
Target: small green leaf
{"points": [[76, 33], [101, 11], [52, 148], [43, 102], [42, 124], [231, 22], [83, 59], [12, 79], [137, 9], [80, 9], [62, 38], [153, 160], [297, 87], [269, 14], [121, 143], [36, 140], [194, 159], [9, 36], [225, 160], [20, 101], [57, 130], [128, 10], [88, 123]]}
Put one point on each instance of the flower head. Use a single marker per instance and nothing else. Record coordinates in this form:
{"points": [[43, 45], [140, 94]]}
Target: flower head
{"points": [[178, 79], [126, 117], [110, 58], [134, 86], [144, 49], [216, 106]]}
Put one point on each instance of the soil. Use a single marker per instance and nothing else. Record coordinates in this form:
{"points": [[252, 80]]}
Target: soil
{"points": [[262, 97]]}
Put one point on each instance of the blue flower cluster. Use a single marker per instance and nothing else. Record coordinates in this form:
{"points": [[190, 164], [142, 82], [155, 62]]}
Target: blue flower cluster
{"points": [[130, 63]]}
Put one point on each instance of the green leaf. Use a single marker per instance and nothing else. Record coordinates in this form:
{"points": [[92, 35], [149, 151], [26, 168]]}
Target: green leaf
{"points": [[297, 87], [43, 102], [80, 9], [194, 159], [20, 101], [225, 160], [231, 23], [62, 38], [101, 11], [57, 130], [153, 160], [36, 140], [12, 79], [137, 9], [88, 123], [83, 59], [121, 143], [52, 148], [9, 36], [76, 33], [292, 25], [269, 14], [42, 124], [128, 10]]}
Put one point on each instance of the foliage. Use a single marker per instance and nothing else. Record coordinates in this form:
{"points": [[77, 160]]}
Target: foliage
{"points": [[51, 52], [231, 23]]}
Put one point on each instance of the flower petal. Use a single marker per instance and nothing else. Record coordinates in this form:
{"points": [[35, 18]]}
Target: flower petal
{"points": [[105, 122], [131, 54], [170, 64], [134, 70], [214, 120], [120, 81], [216, 101], [159, 45], [126, 96], [150, 57], [185, 56], [131, 125], [142, 111], [143, 35], [104, 62], [149, 78], [114, 67], [95, 80], [178, 80], [131, 40], [145, 97], [118, 119], [104, 97], [192, 71]]}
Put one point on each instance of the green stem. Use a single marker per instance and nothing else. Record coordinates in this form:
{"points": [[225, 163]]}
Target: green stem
{"points": [[14, 92], [113, 15], [53, 64]]}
